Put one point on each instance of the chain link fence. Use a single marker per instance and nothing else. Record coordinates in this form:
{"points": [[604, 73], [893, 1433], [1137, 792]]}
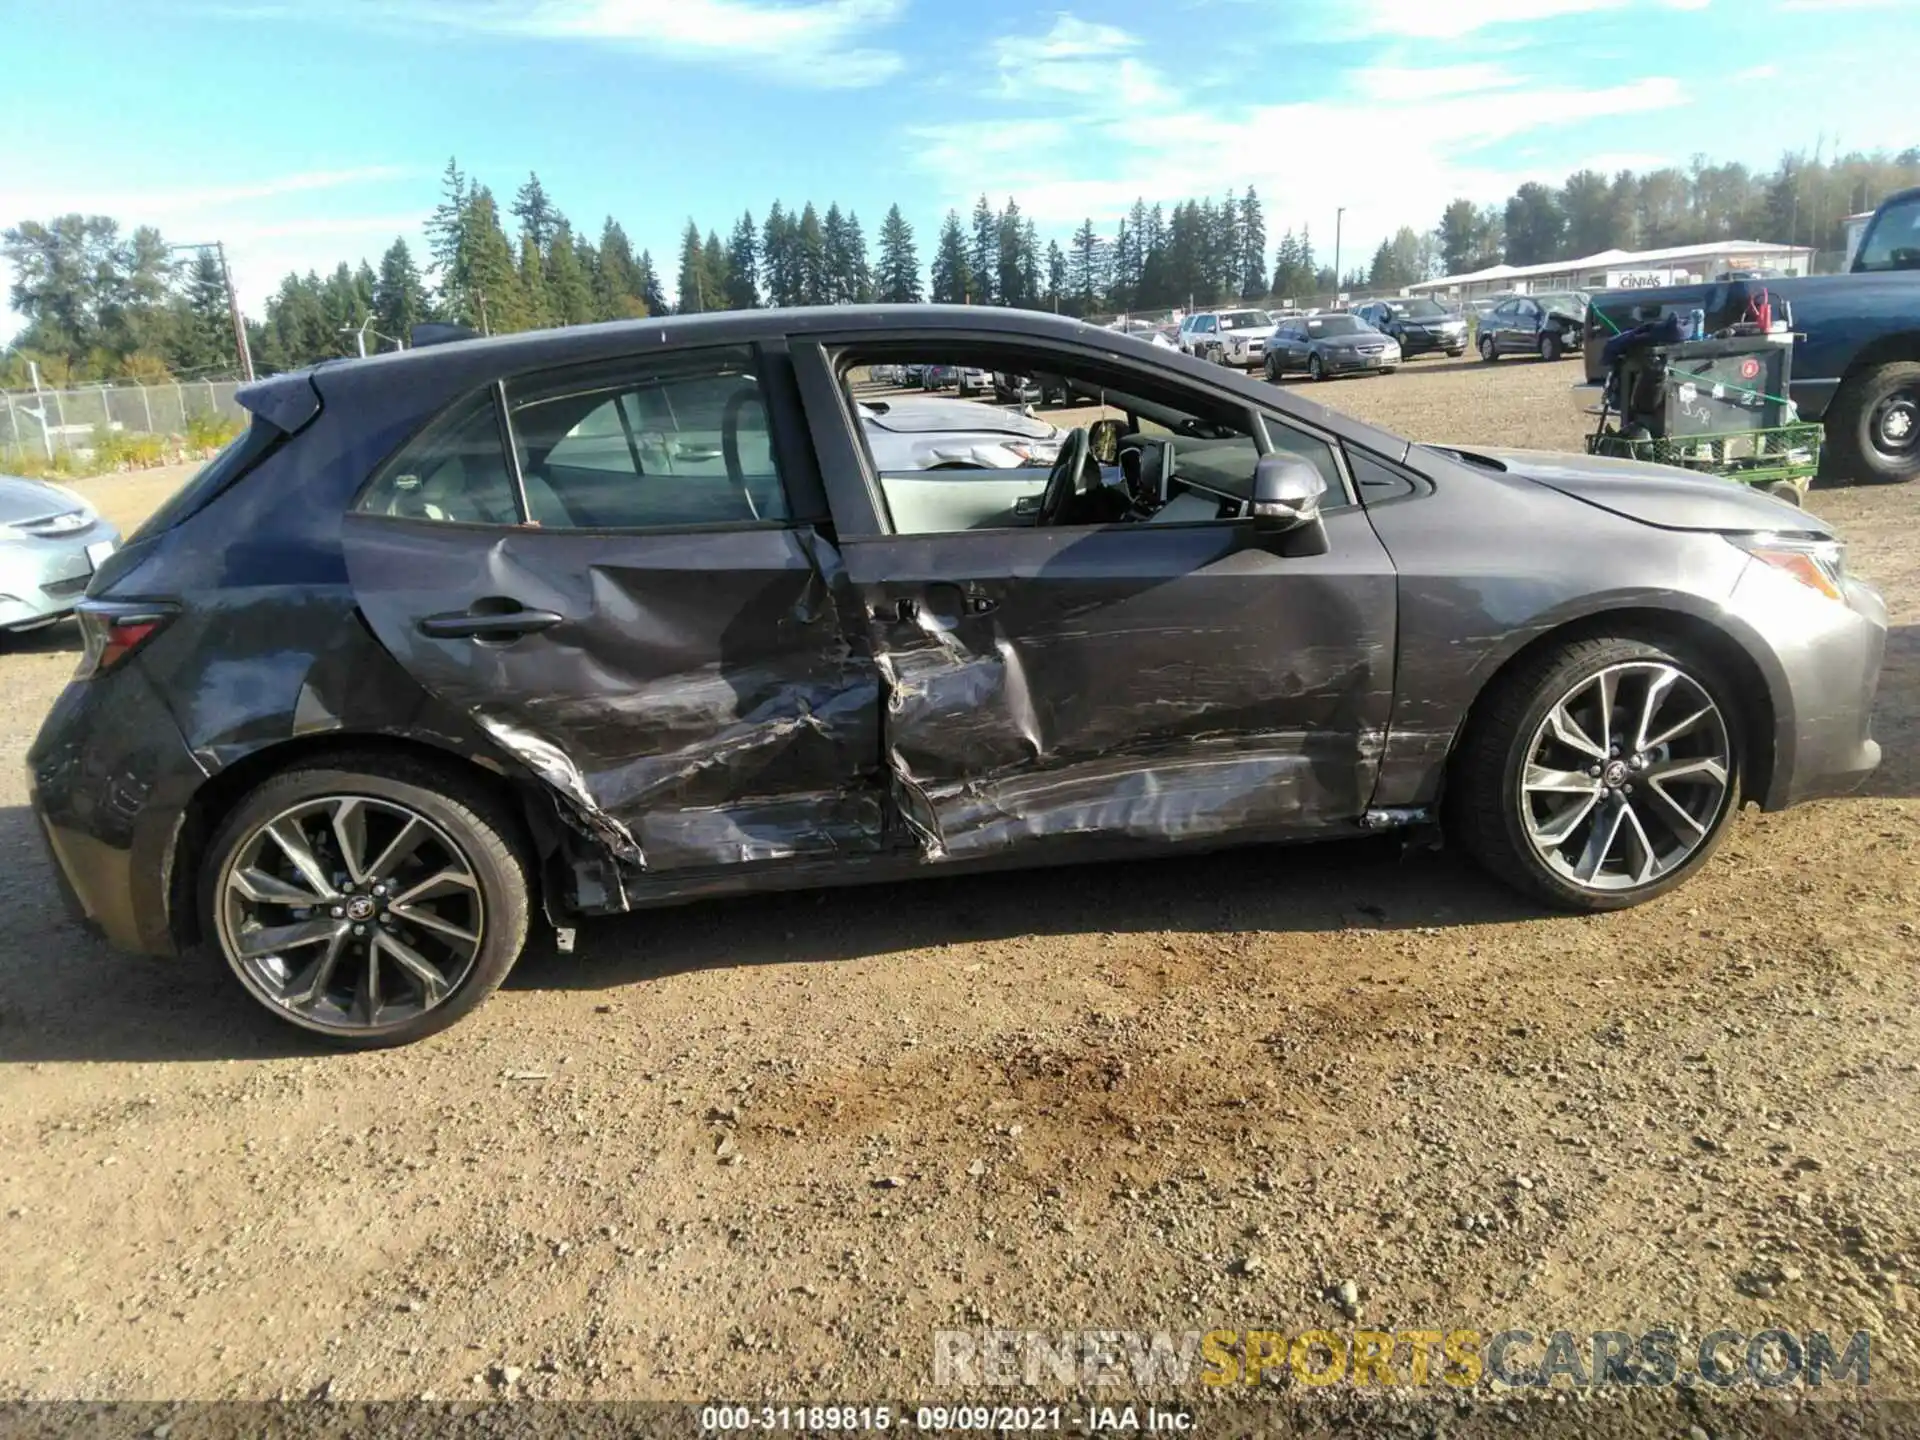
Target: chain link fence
{"points": [[46, 423]]}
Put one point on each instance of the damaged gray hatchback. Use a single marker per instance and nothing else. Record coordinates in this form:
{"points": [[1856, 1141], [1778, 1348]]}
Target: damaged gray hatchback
{"points": [[583, 621]]}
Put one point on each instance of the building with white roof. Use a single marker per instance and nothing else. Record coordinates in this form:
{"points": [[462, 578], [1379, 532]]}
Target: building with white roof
{"points": [[1624, 269]]}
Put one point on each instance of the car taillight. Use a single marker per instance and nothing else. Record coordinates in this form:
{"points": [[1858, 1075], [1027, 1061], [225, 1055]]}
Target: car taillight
{"points": [[114, 631]]}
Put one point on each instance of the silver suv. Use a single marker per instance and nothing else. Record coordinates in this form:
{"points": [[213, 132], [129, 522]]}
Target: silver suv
{"points": [[1228, 337]]}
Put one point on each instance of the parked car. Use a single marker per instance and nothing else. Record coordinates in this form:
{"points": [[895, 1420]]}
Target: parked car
{"points": [[932, 433], [972, 380], [482, 635], [51, 541], [1418, 325], [1040, 389], [939, 377], [1544, 325], [1227, 337], [1857, 369], [1327, 345]]}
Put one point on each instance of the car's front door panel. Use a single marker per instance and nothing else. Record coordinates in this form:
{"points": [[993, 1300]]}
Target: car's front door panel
{"points": [[1161, 683], [692, 694]]}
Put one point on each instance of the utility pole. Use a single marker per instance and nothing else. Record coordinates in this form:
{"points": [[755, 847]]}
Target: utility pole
{"points": [[241, 350]]}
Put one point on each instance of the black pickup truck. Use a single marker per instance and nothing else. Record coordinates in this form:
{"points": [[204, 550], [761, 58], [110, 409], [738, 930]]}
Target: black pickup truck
{"points": [[1856, 365]]}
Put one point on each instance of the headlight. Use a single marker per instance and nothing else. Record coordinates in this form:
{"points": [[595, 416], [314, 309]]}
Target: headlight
{"points": [[1032, 452], [1818, 564]]}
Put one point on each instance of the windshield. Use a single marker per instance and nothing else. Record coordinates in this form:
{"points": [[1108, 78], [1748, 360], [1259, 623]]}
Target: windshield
{"points": [[1421, 309], [1244, 320], [1893, 239], [1319, 325]]}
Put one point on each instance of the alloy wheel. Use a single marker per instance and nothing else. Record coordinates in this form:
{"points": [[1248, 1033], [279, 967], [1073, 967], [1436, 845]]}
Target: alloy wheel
{"points": [[351, 913], [1626, 777]]}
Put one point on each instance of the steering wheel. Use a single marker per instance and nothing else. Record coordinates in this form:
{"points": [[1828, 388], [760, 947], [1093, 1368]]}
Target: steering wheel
{"points": [[1063, 481]]}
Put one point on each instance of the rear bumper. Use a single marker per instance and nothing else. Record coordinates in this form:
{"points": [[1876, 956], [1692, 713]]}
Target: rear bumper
{"points": [[110, 780]]}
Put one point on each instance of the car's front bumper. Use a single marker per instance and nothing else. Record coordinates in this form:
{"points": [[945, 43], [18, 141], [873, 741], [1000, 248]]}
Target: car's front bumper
{"points": [[1827, 658], [110, 779], [1344, 364], [1423, 342], [43, 578]]}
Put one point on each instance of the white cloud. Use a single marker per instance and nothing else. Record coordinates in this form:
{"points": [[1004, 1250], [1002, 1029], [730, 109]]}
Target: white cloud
{"points": [[1450, 19], [1421, 137], [157, 207], [813, 43], [1397, 82]]}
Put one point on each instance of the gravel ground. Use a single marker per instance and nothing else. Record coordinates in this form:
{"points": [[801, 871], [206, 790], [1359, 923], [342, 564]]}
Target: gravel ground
{"points": [[769, 1147]]}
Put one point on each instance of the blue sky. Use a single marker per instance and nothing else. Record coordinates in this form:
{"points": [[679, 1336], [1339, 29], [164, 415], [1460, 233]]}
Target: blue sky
{"points": [[305, 133]]}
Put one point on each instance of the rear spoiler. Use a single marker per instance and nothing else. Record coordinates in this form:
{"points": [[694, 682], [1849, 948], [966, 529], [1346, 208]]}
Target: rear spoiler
{"points": [[287, 402]]}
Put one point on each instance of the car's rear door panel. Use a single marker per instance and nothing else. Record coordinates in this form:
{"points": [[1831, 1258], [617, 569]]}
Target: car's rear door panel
{"points": [[696, 699]]}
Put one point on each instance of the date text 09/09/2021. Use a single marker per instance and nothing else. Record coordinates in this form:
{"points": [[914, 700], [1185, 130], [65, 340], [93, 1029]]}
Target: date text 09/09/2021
{"points": [[814, 1419]]}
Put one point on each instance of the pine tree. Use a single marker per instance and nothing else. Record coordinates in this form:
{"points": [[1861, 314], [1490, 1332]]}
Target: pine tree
{"points": [[695, 297], [569, 293], [899, 271], [859, 269], [983, 259], [952, 273], [536, 308], [1009, 266], [714, 263], [538, 219], [1086, 268], [1223, 259], [848, 278], [1031, 278], [202, 339], [399, 299], [810, 258], [493, 291], [1253, 248], [653, 300], [446, 241], [616, 277], [1056, 275], [777, 260], [743, 265]]}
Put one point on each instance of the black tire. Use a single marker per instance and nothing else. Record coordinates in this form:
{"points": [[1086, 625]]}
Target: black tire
{"points": [[1388, 369], [1550, 347], [1273, 371], [1483, 801], [465, 811], [1788, 491], [1859, 443], [1489, 352], [1315, 370]]}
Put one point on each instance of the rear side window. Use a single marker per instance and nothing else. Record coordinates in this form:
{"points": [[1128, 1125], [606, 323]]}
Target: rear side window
{"points": [[673, 441], [219, 473], [454, 471], [625, 446]]}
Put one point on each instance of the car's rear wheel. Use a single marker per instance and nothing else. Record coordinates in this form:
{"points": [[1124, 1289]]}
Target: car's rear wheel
{"points": [[1601, 774], [1489, 352], [368, 899], [1873, 425], [1550, 347]]}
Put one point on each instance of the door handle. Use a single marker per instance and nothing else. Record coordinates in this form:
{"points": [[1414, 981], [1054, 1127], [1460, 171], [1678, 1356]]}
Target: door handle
{"points": [[499, 624]]}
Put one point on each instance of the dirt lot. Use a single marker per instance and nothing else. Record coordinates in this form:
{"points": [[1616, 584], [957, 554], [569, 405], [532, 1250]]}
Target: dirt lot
{"points": [[769, 1147]]}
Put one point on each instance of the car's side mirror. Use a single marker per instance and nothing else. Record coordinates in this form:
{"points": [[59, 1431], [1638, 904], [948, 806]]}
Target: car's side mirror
{"points": [[1103, 441], [1286, 494]]}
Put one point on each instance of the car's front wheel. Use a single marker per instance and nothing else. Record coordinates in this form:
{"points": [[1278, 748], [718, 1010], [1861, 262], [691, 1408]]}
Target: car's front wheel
{"points": [[1489, 352], [368, 899], [1315, 370], [1600, 774], [1550, 346]]}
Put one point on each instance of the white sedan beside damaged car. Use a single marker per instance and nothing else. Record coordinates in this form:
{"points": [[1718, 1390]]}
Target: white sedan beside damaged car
{"points": [[930, 433], [50, 542]]}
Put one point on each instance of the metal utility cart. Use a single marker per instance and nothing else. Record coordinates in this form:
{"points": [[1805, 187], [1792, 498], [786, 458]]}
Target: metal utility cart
{"points": [[1717, 405]]}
